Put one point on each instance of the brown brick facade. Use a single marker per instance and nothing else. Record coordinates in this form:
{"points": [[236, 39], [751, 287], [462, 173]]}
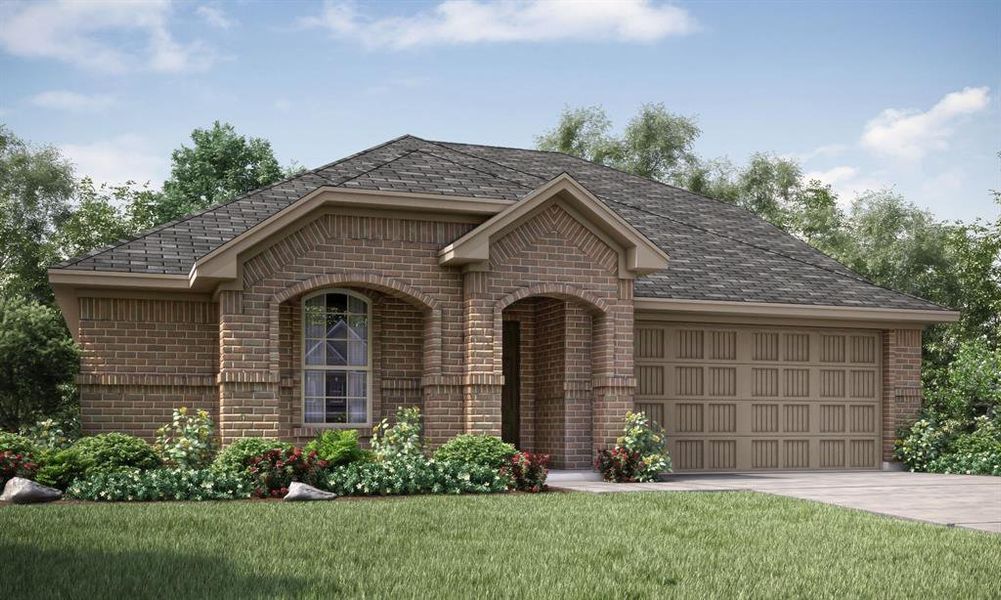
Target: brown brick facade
{"points": [[436, 336], [901, 383]]}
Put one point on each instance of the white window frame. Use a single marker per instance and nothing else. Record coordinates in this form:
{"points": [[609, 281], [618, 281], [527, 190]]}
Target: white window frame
{"points": [[346, 368]]}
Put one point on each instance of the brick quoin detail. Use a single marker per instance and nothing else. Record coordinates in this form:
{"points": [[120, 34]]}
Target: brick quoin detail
{"points": [[901, 383]]}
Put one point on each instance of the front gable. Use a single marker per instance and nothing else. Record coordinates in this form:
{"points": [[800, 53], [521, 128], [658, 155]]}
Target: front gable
{"points": [[637, 254]]}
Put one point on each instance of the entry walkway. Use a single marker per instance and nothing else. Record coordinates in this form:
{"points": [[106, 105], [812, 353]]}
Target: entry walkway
{"points": [[967, 501]]}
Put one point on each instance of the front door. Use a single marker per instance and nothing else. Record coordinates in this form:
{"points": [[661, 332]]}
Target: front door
{"points": [[511, 394]]}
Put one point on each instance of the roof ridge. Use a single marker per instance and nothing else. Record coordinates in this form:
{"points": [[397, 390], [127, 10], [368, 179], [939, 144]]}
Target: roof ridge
{"points": [[471, 168]]}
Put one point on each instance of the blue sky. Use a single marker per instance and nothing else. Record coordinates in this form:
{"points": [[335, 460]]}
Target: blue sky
{"points": [[865, 95]]}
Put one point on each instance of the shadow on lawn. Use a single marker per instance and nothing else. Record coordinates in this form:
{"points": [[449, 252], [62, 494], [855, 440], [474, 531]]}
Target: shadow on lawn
{"points": [[31, 572]]}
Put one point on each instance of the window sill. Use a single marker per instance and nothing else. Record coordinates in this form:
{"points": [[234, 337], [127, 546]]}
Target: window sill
{"points": [[311, 429]]}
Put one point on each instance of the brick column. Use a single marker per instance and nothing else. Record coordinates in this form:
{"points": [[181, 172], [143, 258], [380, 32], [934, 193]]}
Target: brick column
{"points": [[614, 383], [248, 385], [483, 380], [901, 383]]}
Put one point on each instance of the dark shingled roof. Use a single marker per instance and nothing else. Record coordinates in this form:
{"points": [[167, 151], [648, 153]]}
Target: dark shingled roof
{"points": [[717, 251]]}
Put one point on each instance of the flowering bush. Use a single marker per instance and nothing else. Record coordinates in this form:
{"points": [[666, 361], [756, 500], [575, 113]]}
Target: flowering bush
{"points": [[236, 457], [187, 441], [51, 436], [273, 471], [115, 451], [133, 485], [640, 453], [528, 471], [14, 464], [414, 475], [399, 440], [337, 447]]}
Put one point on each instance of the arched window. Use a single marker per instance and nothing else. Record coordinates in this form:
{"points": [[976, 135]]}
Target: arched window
{"points": [[337, 358]]}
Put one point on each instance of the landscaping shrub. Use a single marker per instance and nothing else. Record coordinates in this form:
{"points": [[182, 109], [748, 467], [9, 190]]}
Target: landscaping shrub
{"points": [[115, 451], [18, 444], [401, 439], [52, 435], [476, 449], [337, 447], [62, 468], [528, 471], [187, 441], [960, 427], [160, 484], [414, 475], [15, 464], [640, 453], [236, 457], [273, 471]]}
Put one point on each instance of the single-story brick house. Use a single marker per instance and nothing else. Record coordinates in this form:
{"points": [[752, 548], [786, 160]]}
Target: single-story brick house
{"points": [[526, 294]]}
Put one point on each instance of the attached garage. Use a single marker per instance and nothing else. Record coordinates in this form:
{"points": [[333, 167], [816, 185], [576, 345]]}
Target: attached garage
{"points": [[743, 398]]}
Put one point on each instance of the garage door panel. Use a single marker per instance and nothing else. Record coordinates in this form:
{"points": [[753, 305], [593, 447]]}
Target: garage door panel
{"points": [[744, 398]]}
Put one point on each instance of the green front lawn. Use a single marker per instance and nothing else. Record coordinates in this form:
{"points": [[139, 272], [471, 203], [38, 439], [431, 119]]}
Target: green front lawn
{"points": [[547, 545]]}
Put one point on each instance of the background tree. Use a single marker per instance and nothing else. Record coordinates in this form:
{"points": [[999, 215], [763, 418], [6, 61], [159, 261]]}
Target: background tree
{"points": [[220, 165], [99, 217], [35, 189]]}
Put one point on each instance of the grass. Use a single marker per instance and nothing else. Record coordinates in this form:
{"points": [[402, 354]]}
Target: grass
{"points": [[639, 545]]}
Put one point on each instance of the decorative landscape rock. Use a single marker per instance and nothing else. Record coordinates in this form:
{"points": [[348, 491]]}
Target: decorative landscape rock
{"points": [[25, 491], [300, 492]]}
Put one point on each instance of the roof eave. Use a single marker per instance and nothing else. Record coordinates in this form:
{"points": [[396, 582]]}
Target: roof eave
{"points": [[799, 311]]}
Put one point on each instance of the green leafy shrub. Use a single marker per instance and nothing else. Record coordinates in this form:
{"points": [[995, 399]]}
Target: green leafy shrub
{"points": [[528, 471], [337, 447], [160, 484], [62, 468], [414, 475], [274, 470], [187, 442], [14, 464], [236, 457], [52, 435], [485, 450], [401, 439], [640, 453], [18, 444], [115, 451], [38, 360]]}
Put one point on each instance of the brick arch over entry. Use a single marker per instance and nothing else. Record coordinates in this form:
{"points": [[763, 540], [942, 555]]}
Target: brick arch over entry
{"points": [[563, 291], [387, 285]]}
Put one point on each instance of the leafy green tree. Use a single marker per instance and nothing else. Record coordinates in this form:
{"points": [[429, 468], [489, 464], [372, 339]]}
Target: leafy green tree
{"points": [[220, 165], [37, 362], [99, 217], [35, 188], [655, 143]]}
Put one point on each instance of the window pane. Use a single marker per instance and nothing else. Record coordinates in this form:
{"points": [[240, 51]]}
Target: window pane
{"points": [[337, 326], [357, 305], [337, 383], [356, 384], [314, 410], [357, 410], [337, 302], [314, 352], [337, 353], [315, 385], [357, 354], [336, 410], [358, 328]]}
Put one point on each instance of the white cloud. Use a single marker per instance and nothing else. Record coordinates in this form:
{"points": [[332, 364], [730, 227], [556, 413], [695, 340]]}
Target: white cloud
{"points": [[73, 101], [214, 16], [910, 134], [846, 181], [80, 33], [474, 21], [117, 160]]}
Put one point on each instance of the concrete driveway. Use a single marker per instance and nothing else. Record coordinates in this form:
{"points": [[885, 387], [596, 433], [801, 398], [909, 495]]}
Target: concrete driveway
{"points": [[967, 501]]}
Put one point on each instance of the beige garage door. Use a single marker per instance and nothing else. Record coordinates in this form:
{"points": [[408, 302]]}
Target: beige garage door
{"points": [[744, 398]]}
